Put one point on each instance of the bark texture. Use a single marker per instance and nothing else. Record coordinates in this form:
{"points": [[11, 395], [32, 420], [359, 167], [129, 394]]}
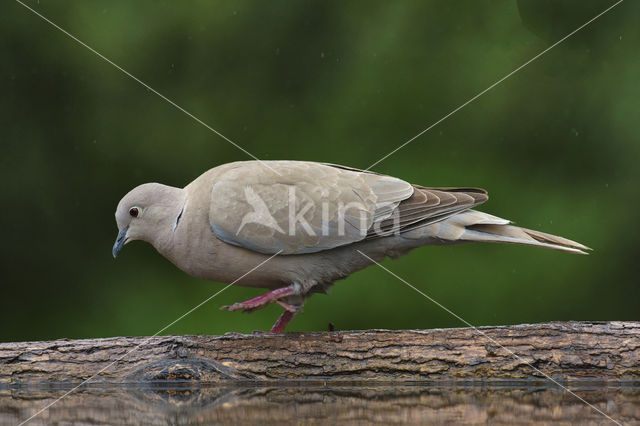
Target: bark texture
{"points": [[568, 352]]}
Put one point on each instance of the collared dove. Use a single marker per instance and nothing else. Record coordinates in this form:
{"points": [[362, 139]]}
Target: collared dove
{"points": [[322, 222]]}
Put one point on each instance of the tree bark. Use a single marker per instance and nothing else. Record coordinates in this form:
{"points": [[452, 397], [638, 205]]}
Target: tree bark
{"points": [[568, 352]]}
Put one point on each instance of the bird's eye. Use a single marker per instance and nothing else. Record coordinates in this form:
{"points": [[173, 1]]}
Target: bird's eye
{"points": [[133, 211]]}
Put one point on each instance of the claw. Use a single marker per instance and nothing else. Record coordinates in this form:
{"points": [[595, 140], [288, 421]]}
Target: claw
{"points": [[231, 308]]}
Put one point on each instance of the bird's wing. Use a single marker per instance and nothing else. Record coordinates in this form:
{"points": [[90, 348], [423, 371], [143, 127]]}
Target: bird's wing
{"points": [[309, 207], [305, 207], [426, 206]]}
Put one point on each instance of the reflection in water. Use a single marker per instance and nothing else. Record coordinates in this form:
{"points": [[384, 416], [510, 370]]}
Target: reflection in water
{"points": [[344, 404]]}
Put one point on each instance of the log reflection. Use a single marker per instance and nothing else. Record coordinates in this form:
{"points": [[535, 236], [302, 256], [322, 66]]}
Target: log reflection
{"points": [[317, 404]]}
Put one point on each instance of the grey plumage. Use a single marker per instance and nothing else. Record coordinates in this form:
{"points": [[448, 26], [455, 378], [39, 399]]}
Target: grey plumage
{"points": [[315, 216]]}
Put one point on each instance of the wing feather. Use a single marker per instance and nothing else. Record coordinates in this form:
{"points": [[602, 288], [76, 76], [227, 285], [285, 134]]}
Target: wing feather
{"points": [[309, 207], [428, 205]]}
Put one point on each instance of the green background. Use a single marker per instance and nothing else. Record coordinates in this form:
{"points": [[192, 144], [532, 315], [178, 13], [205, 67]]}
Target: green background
{"points": [[556, 145]]}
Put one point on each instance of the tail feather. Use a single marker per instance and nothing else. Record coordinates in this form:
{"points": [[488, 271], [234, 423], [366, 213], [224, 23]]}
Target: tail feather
{"points": [[516, 235], [472, 225]]}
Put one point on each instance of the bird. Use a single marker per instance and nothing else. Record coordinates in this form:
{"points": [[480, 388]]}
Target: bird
{"points": [[294, 228]]}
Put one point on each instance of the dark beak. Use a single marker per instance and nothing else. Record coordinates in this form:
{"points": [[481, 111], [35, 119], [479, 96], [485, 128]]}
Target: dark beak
{"points": [[120, 240]]}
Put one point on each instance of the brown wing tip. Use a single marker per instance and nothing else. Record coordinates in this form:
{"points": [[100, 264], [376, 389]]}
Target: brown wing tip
{"points": [[479, 195]]}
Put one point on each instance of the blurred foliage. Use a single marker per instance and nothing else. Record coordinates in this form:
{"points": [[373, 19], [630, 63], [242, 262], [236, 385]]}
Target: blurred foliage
{"points": [[344, 82]]}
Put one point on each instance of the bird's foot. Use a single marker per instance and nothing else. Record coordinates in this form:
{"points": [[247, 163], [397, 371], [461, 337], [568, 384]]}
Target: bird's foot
{"points": [[265, 299], [273, 296]]}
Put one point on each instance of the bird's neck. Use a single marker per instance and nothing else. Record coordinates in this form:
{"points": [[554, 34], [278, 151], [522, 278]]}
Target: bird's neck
{"points": [[193, 246], [173, 207]]}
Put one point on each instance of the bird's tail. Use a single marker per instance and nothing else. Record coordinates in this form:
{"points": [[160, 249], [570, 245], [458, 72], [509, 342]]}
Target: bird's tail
{"points": [[473, 225]]}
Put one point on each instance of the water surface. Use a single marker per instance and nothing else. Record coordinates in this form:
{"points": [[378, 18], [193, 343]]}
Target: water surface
{"points": [[175, 405]]}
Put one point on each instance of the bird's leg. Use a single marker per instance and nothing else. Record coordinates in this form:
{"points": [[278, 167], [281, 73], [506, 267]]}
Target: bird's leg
{"points": [[274, 296], [288, 306], [282, 322], [264, 299]]}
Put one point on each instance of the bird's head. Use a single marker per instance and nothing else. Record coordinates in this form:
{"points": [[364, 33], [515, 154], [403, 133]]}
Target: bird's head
{"points": [[147, 213]]}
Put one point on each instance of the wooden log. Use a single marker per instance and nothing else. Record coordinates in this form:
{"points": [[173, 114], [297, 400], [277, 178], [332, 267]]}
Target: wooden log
{"points": [[566, 351]]}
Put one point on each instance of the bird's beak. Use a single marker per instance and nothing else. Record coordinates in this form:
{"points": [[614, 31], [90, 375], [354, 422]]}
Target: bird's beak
{"points": [[120, 240]]}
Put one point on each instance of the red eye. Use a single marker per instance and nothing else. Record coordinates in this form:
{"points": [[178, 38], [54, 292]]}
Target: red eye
{"points": [[133, 211]]}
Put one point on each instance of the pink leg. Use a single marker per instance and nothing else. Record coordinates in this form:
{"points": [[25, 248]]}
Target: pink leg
{"points": [[262, 300], [282, 322], [288, 307]]}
